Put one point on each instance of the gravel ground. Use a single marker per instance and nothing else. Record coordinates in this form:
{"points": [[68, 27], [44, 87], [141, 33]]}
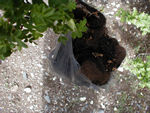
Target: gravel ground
{"points": [[28, 85]]}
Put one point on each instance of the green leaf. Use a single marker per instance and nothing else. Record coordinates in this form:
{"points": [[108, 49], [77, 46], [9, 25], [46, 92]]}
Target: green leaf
{"points": [[21, 44], [41, 28], [71, 24], [62, 39], [6, 4], [56, 3]]}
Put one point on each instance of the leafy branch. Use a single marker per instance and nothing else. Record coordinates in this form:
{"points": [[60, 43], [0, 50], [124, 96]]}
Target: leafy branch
{"points": [[141, 69], [24, 22], [140, 20]]}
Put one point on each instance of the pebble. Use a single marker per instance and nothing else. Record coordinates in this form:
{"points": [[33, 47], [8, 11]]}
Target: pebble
{"points": [[121, 80], [141, 93], [107, 6], [30, 1], [115, 109], [115, 9], [44, 57], [127, 2], [28, 89], [82, 99], [39, 65], [120, 69], [41, 84], [52, 56], [91, 102], [48, 48], [54, 78], [47, 99], [112, 13], [33, 44], [60, 79], [129, 23], [118, 93], [117, 18], [25, 76], [32, 75], [9, 97], [24, 55], [14, 88], [103, 106], [46, 73], [118, 5], [113, 4], [31, 107]]}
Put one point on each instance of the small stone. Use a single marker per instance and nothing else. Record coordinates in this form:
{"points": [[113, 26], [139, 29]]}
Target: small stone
{"points": [[117, 18], [32, 75], [28, 89], [54, 78], [47, 99], [44, 57], [25, 76], [118, 93], [103, 106], [46, 74], [141, 94], [113, 4], [107, 6], [115, 109], [115, 9], [129, 23], [31, 107], [91, 102], [118, 5], [24, 55], [9, 97], [33, 44], [127, 2], [28, 99], [52, 56], [14, 88], [112, 13], [120, 69], [49, 48], [39, 65], [42, 52], [121, 80], [82, 99], [30, 1], [41, 84]]}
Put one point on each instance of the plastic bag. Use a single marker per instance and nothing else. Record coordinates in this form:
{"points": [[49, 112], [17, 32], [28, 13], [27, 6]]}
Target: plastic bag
{"points": [[63, 62]]}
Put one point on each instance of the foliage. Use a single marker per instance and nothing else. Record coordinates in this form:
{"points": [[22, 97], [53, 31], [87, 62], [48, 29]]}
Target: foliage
{"points": [[141, 69], [24, 22], [140, 20]]}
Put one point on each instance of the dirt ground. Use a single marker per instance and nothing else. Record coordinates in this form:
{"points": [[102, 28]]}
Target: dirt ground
{"points": [[28, 85]]}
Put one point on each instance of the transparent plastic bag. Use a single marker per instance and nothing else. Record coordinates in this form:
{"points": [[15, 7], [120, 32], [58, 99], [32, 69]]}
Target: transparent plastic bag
{"points": [[64, 63]]}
